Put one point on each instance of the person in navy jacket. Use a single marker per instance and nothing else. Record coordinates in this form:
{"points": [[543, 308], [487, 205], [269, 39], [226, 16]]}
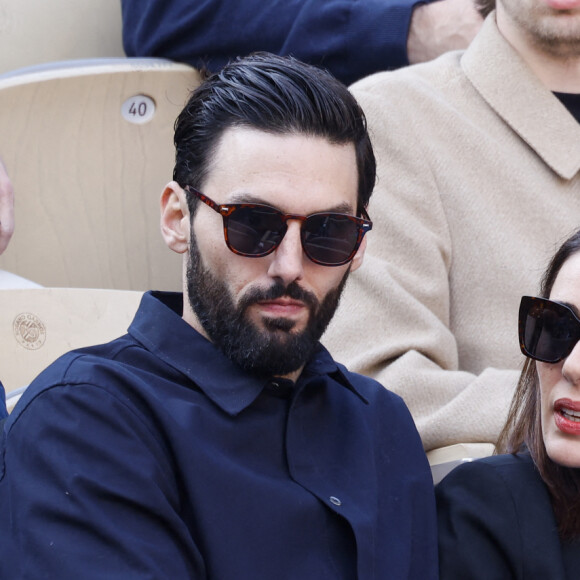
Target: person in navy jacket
{"points": [[218, 439], [351, 38]]}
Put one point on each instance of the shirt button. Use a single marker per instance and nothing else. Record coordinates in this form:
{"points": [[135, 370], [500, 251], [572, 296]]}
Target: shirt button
{"points": [[335, 500], [274, 385]]}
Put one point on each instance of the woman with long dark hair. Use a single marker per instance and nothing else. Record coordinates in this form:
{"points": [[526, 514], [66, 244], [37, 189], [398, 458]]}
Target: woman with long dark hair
{"points": [[517, 514]]}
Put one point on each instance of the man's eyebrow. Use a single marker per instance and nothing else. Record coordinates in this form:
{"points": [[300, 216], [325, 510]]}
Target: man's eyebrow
{"points": [[249, 198], [246, 198], [342, 208]]}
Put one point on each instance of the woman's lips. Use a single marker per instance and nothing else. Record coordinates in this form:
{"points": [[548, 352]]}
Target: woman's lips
{"points": [[563, 4], [567, 416]]}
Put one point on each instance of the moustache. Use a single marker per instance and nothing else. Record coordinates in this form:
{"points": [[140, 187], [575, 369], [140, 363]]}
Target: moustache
{"points": [[279, 290]]}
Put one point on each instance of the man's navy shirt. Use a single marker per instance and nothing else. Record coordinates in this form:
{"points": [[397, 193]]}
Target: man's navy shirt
{"points": [[155, 456]]}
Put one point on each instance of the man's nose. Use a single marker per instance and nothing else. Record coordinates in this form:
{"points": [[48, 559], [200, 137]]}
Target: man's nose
{"points": [[288, 262]]}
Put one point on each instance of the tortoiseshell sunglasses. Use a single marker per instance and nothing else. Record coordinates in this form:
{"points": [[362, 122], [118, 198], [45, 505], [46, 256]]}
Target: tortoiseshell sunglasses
{"points": [[254, 230]]}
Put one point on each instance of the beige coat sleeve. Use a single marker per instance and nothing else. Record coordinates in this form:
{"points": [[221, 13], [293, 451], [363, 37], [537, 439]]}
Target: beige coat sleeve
{"points": [[393, 322]]}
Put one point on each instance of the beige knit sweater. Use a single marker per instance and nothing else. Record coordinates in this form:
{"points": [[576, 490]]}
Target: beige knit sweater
{"points": [[478, 182]]}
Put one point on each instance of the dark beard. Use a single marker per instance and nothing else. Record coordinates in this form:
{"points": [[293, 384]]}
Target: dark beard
{"points": [[274, 351]]}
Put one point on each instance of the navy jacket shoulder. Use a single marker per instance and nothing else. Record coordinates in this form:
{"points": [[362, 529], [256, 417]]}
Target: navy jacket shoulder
{"points": [[495, 521], [350, 38]]}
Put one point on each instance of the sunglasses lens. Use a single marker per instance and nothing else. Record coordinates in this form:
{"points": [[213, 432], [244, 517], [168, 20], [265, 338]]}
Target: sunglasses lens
{"points": [[255, 231], [330, 238], [548, 331], [327, 238]]}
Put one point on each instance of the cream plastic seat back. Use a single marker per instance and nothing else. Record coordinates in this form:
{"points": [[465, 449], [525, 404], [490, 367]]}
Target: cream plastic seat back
{"points": [[445, 459], [89, 148], [39, 31], [37, 325]]}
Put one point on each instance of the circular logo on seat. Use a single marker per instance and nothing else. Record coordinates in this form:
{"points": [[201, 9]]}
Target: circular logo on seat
{"points": [[29, 331]]}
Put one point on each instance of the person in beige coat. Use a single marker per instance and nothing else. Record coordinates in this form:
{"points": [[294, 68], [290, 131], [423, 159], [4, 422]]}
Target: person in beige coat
{"points": [[478, 182]]}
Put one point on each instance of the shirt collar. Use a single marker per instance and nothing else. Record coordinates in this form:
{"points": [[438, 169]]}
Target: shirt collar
{"points": [[516, 94], [159, 327]]}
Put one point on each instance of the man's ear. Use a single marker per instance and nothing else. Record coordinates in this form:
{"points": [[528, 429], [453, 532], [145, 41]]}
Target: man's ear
{"points": [[359, 256], [175, 222]]}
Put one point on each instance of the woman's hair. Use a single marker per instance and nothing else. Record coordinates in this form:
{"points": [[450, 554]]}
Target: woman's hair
{"points": [[523, 428]]}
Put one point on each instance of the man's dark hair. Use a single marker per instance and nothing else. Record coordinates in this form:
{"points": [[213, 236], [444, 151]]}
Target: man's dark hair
{"points": [[277, 95], [485, 7]]}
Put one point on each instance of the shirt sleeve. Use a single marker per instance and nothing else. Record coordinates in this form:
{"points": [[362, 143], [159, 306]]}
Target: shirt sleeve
{"points": [[351, 38], [88, 492]]}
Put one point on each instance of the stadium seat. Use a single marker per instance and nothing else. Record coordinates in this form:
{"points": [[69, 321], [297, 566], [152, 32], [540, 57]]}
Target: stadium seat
{"points": [[40, 31], [89, 148], [37, 325], [445, 459]]}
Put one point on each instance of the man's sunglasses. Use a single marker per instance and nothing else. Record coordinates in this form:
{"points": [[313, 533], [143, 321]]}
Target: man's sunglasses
{"points": [[254, 230], [548, 330]]}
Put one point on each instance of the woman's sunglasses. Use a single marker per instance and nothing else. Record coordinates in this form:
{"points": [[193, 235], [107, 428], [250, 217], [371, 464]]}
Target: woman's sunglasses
{"points": [[548, 330], [254, 230]]}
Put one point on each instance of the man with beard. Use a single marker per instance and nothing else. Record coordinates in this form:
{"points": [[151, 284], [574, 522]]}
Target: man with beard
{"points": [[478, 164], [218, 438]]}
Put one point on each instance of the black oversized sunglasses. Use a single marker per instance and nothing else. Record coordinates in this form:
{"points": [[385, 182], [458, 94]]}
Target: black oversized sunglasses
{"points": [[548, 330], [254, 230]]}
